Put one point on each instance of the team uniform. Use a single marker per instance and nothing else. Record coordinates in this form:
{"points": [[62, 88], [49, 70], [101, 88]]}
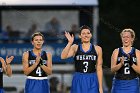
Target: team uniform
{"points": [[1, 79], [85, 77], [37, 81], [126, 79]]}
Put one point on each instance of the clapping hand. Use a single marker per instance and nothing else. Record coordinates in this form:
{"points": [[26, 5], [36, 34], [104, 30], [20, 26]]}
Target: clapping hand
{"points": [[38, 58], [9, 59], [122, 60], [130, 60]]}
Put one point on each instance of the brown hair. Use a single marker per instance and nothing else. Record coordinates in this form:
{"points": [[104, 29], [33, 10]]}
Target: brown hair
{"points": [[84, 27]]}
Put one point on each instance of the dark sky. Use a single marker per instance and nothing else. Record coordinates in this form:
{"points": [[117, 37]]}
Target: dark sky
{"points": [[115, 15]]}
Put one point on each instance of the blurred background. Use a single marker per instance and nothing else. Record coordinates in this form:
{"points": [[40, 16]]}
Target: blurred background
{"points": [[20, 19]]}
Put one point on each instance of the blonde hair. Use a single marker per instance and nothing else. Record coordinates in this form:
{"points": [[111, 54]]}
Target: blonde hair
{"points": [[37, 34], [131, 31]]}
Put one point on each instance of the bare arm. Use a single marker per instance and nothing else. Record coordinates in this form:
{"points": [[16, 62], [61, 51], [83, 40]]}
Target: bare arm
{"points": [[26, 69], [3, 64], [8, 68], [114, 66], [137, 67], [68, 51], [6, 65], [99, 68], [48, 68]]}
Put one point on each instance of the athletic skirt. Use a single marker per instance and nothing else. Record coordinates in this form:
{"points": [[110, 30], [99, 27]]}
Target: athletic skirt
{"points": [[125, 86], [85, 83], [37, 85], [1, 90]]}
